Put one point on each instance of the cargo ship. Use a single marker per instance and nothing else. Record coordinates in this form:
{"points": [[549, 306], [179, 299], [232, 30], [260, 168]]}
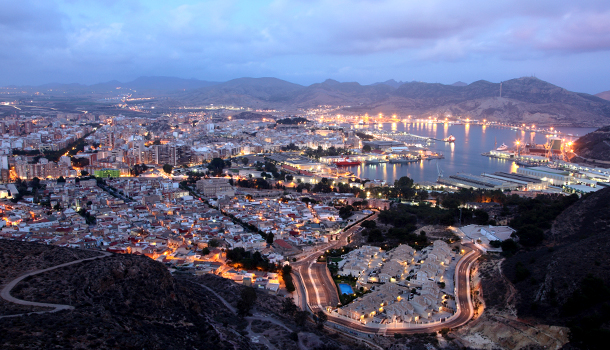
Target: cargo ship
{"points": [[449, 139]]}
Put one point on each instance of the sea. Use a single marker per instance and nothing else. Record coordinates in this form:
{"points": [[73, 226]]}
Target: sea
{"points": [[461, 156]]}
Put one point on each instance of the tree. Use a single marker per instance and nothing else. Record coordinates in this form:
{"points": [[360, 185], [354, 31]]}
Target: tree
{"points": [[245, 160], [286, 275], [320, 318], [300, 317], [366, 148], [246, 301], [216, 165], [167, 168], [205, 251], [214, 243], [345, 212], [481, 217], [369, 224], [530, 235], [61, 180], [84, 173], [270, 238], [404, 187], [509, 246], [289, 307]]}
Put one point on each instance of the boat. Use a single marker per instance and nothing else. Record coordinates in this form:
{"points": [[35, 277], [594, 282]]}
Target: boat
{"points": [[347, 162], [451, 138], [503, 147], [373, 161], [403, 160]]}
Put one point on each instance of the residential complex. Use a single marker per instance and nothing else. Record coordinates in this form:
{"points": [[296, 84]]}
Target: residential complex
{"points": [[404, 284]]}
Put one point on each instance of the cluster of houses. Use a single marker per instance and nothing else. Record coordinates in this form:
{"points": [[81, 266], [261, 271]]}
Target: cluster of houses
{"points": [[404, 284], [140, 217], [288, 218]]}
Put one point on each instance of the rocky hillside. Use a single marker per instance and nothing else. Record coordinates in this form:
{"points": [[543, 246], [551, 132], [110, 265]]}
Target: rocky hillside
{"points": [[566, 282], [120, 302], [523, 100], [595, 145], [133, 302]]}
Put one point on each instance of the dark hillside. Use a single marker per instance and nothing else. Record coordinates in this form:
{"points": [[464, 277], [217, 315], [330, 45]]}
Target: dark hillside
{"points": [[595, 145], [122, 302], [567, 282]]}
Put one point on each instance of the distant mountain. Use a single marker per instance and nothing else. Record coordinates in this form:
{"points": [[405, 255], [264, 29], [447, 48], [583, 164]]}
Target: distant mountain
{"points": [[524, 100], [393, 83], [605, 95], [459, 83], [253, 92], [141, 84], [594, 145], [167, 83]]}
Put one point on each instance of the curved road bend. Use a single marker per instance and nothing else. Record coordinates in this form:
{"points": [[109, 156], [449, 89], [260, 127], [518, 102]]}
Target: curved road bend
{"points": [[6, 291], [317, 297], [313, 281]]}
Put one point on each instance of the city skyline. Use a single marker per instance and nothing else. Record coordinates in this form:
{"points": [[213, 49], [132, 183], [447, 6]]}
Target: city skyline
{"points": [[307, 42]]}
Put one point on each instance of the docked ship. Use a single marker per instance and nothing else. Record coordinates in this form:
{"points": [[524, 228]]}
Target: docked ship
{"points": [[374, 161], [347, 162], [449, 139], [403, 160], [503, 147]]}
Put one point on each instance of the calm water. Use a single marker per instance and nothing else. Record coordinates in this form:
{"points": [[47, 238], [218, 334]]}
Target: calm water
{"points": [[464, 155]]}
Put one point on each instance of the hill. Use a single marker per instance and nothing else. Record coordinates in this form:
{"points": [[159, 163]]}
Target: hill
{"points": [[565, 282], [605, 95], [253, 92], [594, 145], [524, 100], [133, 302], [140, 85]]}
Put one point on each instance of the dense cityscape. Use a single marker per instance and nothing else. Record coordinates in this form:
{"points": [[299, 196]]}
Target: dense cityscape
{"points": [[304, 175]]}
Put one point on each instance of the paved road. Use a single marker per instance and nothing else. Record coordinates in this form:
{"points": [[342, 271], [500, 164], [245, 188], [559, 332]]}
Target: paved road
{"points": [[314, 280], [6, 291], [313, 284]]}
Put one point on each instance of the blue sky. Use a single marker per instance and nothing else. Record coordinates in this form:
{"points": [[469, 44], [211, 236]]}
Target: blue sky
{"points": [[306, 41]]}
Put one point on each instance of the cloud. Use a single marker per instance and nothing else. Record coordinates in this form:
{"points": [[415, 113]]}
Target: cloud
{"points": [[220, 38]]}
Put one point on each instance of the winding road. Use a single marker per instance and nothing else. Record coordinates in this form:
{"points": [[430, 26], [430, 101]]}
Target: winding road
{"points": [[6, 291], [316, 291]]}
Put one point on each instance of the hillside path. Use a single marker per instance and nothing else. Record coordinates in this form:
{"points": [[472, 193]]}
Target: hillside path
{"points": [[6, 291]]}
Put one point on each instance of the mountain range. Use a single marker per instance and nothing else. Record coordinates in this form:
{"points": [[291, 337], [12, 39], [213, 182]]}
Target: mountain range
{"points": [[523, 100]]}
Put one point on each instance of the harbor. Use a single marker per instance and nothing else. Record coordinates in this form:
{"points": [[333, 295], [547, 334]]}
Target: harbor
{"points": [[464, 155]]}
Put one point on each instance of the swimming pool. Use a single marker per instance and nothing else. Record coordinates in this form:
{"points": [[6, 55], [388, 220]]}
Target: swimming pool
{"points": [[345, 288]]}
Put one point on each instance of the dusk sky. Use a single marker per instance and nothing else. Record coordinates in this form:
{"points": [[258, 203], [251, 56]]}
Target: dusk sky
{"points": [[305, 41]]}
